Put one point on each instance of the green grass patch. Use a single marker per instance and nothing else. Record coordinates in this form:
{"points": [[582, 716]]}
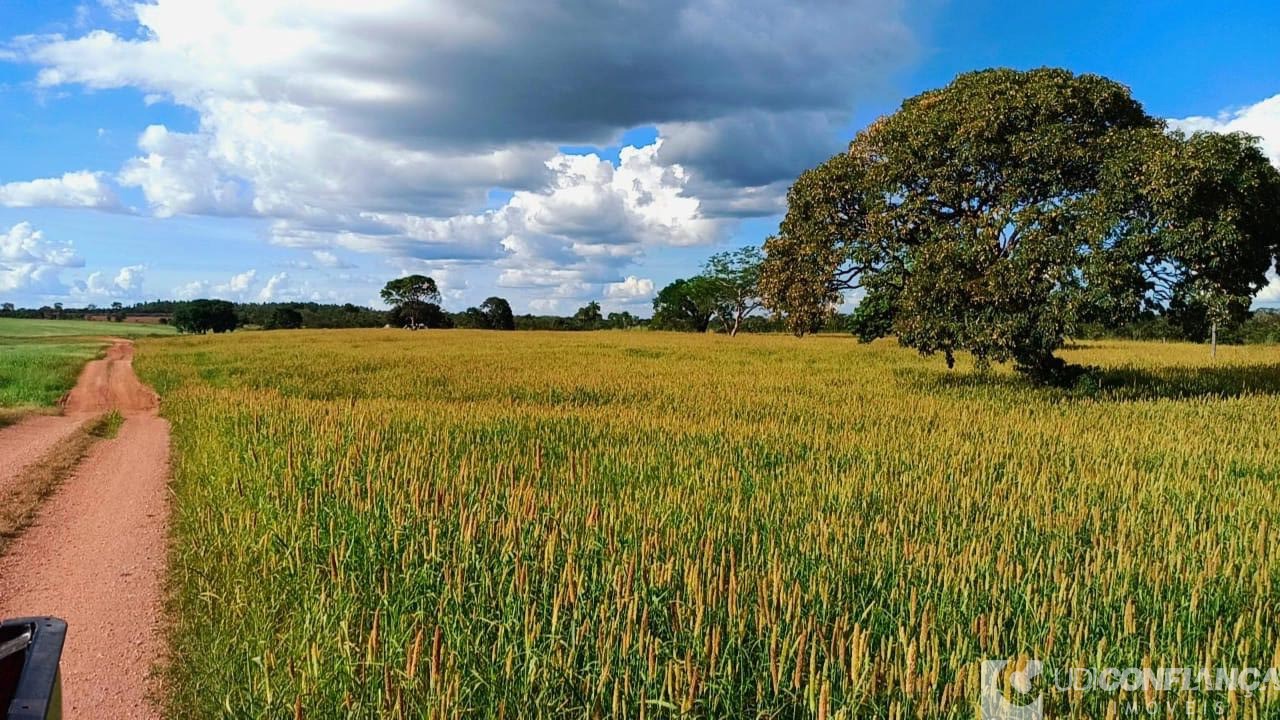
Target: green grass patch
{"points": [[107, 426], [37, 372]]}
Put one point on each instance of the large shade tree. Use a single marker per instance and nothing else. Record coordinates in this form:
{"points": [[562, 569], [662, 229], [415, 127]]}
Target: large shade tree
{"points": [[993, 215], [414, 301], [497, 311], [205, 316]]}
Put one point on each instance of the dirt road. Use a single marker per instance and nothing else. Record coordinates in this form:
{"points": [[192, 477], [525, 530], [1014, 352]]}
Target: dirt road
{"points": [[110, 384], [95, 555], [28, 441]]}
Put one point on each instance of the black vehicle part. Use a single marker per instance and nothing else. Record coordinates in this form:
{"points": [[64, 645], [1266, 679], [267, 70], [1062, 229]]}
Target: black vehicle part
{"points": [[30, 682]]}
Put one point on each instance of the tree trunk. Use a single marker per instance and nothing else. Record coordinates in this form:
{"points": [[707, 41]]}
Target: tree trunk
{"points": [[1048, 369]]}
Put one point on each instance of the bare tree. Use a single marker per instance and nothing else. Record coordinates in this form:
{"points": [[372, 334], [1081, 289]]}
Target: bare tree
{"points": [[736, 278]]}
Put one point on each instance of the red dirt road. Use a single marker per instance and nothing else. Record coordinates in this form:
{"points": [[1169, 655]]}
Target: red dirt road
{"points": [[26, 442], [95, 555], [109, 384]]}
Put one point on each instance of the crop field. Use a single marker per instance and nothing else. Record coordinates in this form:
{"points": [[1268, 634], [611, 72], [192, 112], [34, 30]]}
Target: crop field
{"points": [[23, 328], [641, 525]]}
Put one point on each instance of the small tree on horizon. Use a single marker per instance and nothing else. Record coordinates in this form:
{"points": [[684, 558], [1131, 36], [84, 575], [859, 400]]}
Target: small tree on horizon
{"points": [[588, 316], [204, 316], [497, 312], [285, 318], [414, 300]]}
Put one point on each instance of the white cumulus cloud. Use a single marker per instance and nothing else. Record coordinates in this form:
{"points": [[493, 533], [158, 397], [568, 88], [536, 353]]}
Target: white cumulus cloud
{"points": [[1271, 292], [32, 263], [81, 189], [126, 283], [237, 285], [274, 288], [631, 289], [1261, 120], [328, 259]]}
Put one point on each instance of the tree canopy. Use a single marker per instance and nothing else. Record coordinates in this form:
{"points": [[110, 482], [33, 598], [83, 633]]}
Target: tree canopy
{"points": [[493, 314], [416, 314], [204, 316], [415, 302], [411, 288], [995, 214], [497, 312], [284, 318], [587, 317], [686, 305]]}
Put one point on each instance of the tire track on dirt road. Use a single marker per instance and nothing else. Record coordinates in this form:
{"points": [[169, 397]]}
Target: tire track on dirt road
{"points": [[95, 554]]}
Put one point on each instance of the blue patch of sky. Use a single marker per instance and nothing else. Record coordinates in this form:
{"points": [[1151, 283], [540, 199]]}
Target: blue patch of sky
{"points": [[635, 137], [50, 131], [497, 197], [1179, 58]]}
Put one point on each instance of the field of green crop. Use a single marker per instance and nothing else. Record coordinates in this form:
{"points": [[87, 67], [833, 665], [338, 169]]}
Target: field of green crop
{"points": [[23, 328], [37, 373], [643, 525]]}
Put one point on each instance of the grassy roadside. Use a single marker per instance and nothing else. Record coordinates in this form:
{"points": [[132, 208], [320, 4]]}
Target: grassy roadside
{"points": [[36, 372], [21, 501]]}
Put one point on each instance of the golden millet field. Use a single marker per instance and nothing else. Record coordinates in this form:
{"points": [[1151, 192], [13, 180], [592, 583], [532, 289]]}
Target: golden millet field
{"points": [[641, 525]]}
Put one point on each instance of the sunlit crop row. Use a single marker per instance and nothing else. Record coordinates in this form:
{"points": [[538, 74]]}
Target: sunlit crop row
{"points": [[481, 524]]}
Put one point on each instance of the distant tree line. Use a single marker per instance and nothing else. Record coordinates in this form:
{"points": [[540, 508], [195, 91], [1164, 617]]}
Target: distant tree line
{"points": [[691, 304], [1260, 327], [216, 316], [116, 312], [416, 304]]}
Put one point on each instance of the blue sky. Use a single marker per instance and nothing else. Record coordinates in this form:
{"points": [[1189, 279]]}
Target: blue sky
{"points": [[251, 150]]}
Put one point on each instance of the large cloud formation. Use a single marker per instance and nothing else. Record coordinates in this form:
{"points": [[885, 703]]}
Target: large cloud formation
{"points": [[30, 262], [34, 264], [383, 125]]}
